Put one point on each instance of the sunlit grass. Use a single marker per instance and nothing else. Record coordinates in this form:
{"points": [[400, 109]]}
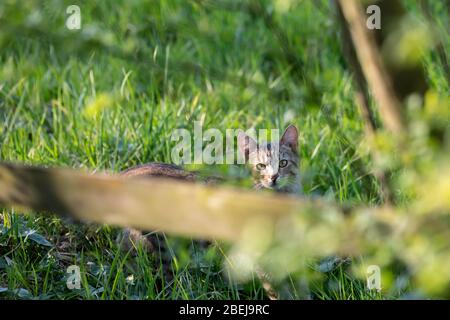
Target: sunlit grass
{"points": [[67, 101]]}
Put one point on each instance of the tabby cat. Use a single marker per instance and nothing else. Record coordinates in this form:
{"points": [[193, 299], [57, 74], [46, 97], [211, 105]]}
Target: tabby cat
{"points": [[274, 167]]}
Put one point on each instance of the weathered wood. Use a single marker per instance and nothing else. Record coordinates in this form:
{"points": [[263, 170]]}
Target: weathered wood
{"points": [[178, 207], [363, 100], [372, 65]]}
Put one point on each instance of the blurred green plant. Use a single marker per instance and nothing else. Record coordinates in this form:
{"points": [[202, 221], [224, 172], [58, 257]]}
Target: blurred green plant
{"points": [[159, 65]]}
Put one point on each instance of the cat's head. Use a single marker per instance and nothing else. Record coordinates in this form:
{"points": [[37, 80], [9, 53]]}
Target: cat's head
{"points": [[274, 166]]}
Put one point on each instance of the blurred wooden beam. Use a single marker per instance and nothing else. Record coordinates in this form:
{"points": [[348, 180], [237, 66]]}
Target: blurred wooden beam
{"points": [[182, 208], [362, 95], [372, 66], [362, 100]]}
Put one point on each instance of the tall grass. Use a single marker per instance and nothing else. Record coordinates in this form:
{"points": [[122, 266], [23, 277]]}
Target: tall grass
{"points": [[110, 95]]}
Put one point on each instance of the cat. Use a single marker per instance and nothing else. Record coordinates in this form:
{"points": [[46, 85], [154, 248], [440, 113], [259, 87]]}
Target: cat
{"points": [[274, 166]]}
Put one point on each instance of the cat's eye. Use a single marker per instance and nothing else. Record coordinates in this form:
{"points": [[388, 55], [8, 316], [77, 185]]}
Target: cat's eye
{"points": [[283, 163], [260, 166]]}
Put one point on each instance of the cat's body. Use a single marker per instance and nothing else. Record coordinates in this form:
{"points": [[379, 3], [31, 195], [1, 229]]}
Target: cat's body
{"points": [[156, 169], [274, 166]]}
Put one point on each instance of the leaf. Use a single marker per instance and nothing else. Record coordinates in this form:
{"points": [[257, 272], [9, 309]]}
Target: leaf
{"points": [[3, 263], [9, 262], [22, 293], [97, 291], [329, 264], [36, 237]]}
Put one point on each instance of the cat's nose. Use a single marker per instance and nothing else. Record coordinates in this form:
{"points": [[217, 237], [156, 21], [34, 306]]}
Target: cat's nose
{"points": [[274, 178]]}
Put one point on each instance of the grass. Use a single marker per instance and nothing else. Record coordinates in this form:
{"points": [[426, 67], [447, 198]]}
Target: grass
{"points": [[109, 96]]}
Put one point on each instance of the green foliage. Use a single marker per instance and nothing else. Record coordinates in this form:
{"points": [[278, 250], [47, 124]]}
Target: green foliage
{"points": [[108, 96]]}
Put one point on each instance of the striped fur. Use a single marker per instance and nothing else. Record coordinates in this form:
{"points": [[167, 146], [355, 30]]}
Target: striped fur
{"points": [[279, 178]]}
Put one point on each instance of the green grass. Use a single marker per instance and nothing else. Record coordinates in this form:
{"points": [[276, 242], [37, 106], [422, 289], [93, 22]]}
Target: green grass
{"points": [[160, 65]]}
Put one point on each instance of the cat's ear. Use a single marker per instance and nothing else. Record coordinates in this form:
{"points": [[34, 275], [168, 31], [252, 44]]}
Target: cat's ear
{"points": [[290, 138], [246, 144]]}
